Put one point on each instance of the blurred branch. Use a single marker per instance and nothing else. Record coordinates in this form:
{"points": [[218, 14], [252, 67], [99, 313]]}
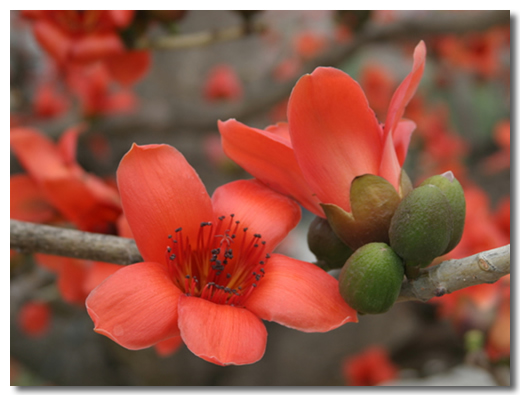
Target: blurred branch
{"points": [[447, 277], [198, 39], [28, 238]]}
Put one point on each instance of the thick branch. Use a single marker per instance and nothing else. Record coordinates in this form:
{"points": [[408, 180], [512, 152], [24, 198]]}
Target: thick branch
{"points": [[447, 277], [29, 238]]}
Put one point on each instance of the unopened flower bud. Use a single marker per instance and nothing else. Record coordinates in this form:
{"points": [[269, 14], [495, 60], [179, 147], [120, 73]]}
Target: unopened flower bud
{"points": [[421, 227], [371, 279], [453, 191], [330, 251]]}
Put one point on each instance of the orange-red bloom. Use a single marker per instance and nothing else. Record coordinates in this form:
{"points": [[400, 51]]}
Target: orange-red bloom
{"points": [[373, 366], [208, 273], [34, 318], [332, 137], [222, 83], [80, 197]]}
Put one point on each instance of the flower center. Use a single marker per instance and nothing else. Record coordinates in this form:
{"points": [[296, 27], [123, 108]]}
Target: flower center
{"points": [[224, 264]]}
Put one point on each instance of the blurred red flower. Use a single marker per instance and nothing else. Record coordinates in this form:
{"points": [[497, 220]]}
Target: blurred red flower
{"points": [[223, 83], [34, 318], [370, 367]]}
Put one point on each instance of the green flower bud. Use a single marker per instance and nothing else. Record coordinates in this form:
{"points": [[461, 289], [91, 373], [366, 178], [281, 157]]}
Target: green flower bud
{"points": [[330, 251], [371, 279], [421, 227], [453, 191]]}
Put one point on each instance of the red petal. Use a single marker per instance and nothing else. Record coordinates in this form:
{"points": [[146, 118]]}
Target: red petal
{"points": [[268, 156], [34, 318], [28, 203], [53, 40], [121, 18], [37, 154], [299, 295], [68, 144], [401, 136], [96, 46], [221, 334], [161, 192], [129, 67], [71, 277], [136, 307], [406, 90], [98, 272], [259, 209], [334, 133], [168, 346]]}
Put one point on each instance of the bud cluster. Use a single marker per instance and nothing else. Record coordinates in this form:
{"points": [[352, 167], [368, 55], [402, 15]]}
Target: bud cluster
{"points": [[388, 235]]}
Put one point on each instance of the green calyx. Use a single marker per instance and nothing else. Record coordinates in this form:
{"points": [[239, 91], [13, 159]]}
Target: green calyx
{"points": [[453, 191], [371, 279], [373, 201], [330, 251], [422, 226]]}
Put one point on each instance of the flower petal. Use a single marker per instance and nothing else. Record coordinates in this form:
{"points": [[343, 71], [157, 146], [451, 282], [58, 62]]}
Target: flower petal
{"points": [[57, 43], [98, 272], [406, 89], [28, 203], [299, 295], [268, 156], [402, 136], [128, 67], [334, 133], [136, 307], [258, 208], [221, 334], [161, 192]]}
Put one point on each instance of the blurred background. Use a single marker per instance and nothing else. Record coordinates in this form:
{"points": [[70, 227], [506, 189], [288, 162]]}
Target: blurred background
{"points": [[180, 73]]}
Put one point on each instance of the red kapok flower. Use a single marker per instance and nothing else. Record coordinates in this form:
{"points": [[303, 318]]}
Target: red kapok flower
{"points": [[223, 83], [34, 318], [80, 197], [370, 367], [334, 137], [208, 274]]}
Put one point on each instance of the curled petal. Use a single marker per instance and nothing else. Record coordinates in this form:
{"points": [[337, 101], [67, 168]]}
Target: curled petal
{"points": [[268, 156], [406, 90], [299, 295], [221, 334], [259, 209], [160, 192], [334, 133], [136, 307]]}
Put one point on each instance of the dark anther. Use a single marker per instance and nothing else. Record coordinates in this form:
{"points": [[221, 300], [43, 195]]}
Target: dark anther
{"points": [[254, 285], [221, 217], [262, 262], [263, 242], [258, 277], [256, 245], [258, 235], [172, 257], [228, 275], [169, 236], [267, 256], [262, 270], [178, 230], [237, 222], [168, 249], [245, 229], [232, 215]]}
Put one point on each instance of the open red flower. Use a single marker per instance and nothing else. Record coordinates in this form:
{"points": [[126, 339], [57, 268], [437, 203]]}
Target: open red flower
{"points": [[80, 197], [82, 37], [223, 83], [334, 137], [208, 274], [373, 366]]}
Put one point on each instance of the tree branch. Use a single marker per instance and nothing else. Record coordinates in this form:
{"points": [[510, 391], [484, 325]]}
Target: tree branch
{"points": [[483, 268], [28, 238], [448, 276]]}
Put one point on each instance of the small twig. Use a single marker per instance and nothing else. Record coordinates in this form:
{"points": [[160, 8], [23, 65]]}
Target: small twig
{"points": [[448, 276], [29, 238], [198, 39]]}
